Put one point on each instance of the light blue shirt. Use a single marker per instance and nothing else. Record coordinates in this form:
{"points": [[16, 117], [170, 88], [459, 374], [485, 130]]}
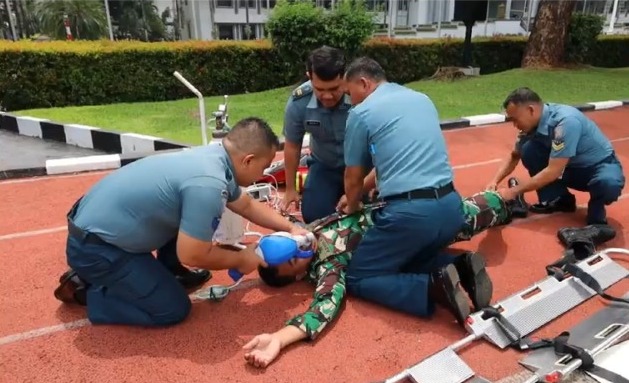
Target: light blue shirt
{"points": [[143, 205], [326, 126], [568, 133], [397, 131]]}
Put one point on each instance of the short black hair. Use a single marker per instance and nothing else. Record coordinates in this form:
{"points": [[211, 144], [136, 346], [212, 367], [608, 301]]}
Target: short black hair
{"points": [[326, 62], [270, 276], [366, 67], [253, 134], [521, 96]]}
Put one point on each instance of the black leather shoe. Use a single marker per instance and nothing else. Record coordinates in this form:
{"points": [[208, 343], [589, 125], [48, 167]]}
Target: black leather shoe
{"points": [[71, 289], [565, 204], [475, 279], [598, 234], [191, 279], [446, 290], [518, 206]]}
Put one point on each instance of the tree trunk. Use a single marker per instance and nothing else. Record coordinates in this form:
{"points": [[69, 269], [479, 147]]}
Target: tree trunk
{"points": [[546, 45]]}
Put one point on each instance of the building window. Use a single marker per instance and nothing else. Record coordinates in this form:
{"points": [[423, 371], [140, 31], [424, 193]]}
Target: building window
{"points": [[224, 3], [377, 5], [244, 3], [225, 31]]}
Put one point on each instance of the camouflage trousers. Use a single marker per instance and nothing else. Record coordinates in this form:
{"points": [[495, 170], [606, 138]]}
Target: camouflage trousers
{"points": [[337, 234], [482, 211]]}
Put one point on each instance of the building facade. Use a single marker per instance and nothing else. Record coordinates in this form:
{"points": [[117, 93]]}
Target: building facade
{"points": [[245, 19]]}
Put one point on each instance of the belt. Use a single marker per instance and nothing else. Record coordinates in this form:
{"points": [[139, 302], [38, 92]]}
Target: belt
{"points": [[427, 193], [77, 232]]}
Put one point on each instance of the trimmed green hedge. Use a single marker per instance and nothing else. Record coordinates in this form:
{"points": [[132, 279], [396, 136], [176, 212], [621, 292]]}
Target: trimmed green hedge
{"points": [[54, 74]]}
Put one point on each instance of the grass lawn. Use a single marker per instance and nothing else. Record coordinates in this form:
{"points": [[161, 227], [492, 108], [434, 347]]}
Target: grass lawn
{"points": [[179, 120]]}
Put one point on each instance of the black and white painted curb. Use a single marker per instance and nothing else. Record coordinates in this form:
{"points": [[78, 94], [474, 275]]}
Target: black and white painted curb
{"points": [[128, 147], [85, 136]]}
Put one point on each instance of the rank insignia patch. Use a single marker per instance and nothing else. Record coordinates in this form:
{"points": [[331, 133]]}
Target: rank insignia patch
{"points": [[558, 139]]}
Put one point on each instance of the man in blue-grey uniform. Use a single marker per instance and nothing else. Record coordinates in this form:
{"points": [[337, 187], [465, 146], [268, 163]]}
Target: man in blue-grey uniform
{"points": [[319, 107], [561, 148], [172, 204], [396, 130]]}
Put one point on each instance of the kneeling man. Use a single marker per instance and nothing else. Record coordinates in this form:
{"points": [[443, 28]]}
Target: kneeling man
{"points": [[338, 236]]}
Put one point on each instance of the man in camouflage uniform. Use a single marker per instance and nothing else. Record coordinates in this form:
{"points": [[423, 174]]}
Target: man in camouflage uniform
{"points": [[337, 237]]}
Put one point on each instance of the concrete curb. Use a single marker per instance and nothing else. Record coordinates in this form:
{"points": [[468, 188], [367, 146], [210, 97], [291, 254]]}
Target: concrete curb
{"points": [[128, 147]]}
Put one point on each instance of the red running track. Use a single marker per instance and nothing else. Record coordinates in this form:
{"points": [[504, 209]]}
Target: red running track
{"points": [[367, 342]]}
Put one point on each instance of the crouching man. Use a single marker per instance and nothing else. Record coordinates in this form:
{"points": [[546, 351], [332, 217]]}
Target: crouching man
{"points": [[337, 236]]}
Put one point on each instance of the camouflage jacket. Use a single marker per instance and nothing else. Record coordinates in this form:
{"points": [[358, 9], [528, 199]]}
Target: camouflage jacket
{"points": [[338, 236]]}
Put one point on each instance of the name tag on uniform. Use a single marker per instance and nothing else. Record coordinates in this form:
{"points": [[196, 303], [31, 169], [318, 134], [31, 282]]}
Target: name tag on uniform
{"points": [[313, 123]]}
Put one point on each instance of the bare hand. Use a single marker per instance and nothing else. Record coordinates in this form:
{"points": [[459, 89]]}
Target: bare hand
{"points": [[349, 209], [290, 196], [342, 203], [250, 260], [373, 195], [262, 350]]}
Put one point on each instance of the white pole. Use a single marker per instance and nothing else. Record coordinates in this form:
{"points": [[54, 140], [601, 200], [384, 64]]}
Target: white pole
{"points": [[612, 21], [111, 31], [440, 4], [201, 104], [193, 4]]}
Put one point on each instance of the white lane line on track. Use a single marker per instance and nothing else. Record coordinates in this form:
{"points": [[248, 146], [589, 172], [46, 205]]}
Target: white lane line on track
{"points": [[246, 284], [65, 326], [32, 233], [62, 228], [46, 178]]}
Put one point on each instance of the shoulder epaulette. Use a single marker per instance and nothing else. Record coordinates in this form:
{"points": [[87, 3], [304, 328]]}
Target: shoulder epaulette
{"points": [[301, 91]]}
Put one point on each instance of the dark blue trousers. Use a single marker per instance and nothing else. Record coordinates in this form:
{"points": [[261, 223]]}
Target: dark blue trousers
{"points": [[393, 262], [604, 181], [322, 191], [126, 288]]}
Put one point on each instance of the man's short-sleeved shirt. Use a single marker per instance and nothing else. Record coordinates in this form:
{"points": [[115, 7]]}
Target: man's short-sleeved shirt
{"points": [[568, 133], [304, 114], [143, 205], [397, 131]]}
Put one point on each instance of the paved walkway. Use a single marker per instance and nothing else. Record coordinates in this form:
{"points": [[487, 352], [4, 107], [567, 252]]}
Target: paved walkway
{"points": [[20, 152]]}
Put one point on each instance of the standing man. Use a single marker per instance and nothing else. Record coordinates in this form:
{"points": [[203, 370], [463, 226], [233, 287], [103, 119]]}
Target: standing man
{"points": [[171, 203], [319, 107], [561, 148], [396, 130]]}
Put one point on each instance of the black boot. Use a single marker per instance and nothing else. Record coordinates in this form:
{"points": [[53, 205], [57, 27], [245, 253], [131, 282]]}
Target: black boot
{"points": [[518, 206], [71, 289], [445, 290], [475, 279], [567, 203], [191, 279]]}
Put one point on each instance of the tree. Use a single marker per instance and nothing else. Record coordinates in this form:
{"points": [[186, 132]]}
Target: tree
{"points": [[87, 18], [137, 19], [546, 46], [297, 27]]}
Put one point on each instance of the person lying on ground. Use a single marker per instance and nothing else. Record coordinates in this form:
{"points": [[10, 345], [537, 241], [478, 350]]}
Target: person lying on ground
{"points": [[337, 236]]}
